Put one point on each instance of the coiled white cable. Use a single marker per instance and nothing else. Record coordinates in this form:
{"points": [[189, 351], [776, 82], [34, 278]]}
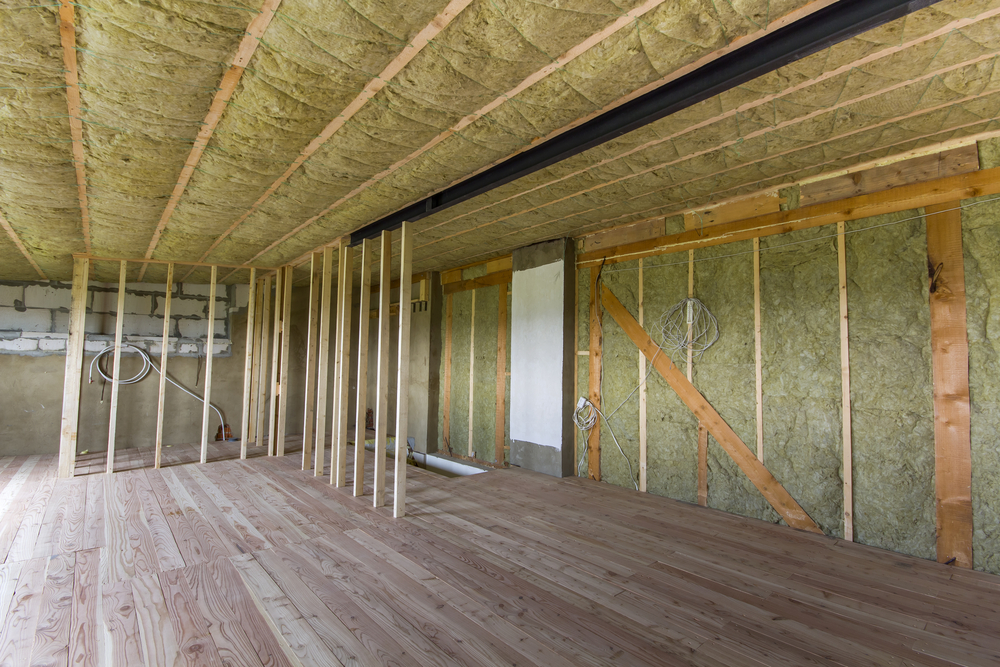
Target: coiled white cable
{"points": [[143, 372], [585, 418]]}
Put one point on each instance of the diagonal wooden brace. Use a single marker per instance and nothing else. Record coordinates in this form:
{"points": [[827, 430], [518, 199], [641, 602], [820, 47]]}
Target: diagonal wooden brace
{"points": [[770, 488]]}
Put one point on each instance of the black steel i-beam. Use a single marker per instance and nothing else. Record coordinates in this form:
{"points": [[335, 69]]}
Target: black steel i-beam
{"points": [[815, 32]]}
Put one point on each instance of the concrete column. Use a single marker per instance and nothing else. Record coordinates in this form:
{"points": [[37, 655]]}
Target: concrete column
{"points": [[425, 369], [542, 356]]}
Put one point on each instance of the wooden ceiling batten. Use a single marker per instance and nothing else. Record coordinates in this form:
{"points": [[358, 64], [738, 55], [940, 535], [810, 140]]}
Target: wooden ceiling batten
{"points": [[437, 24], [570, 55], [20, 246], [67, 36], [742, 109], [245, 51]]}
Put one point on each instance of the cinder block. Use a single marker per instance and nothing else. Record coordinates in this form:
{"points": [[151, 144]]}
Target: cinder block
{"points": [[18, 345], [45, 295], [52, 344], [188, 307], [195, 290], [189, 349], [33, 319], [193, 328], [142, 325], [10, 293], [242, 296], [139, 304]]}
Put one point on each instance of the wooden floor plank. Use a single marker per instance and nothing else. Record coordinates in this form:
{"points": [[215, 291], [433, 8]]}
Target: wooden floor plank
{"points": [[121, 624], [188, 545], [86, 645], [194, 642], [235, 648], [157, 637], [18, 634], [51, 644], [168, 555]]}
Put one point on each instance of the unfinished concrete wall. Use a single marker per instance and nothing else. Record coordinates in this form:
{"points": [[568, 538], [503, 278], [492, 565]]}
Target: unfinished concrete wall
{"points": [[32, 388]]}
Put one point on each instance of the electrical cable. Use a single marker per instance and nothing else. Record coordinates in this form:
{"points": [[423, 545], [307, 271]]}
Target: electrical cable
{"points": [[143, 372]]}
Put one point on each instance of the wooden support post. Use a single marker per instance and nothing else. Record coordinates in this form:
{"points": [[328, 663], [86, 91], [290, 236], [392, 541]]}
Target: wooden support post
{"points": [[248, 365], [845, 382], [116, 372], [500, 430], [950, 361], [206, 409], [257, 350], [338, 330], [757, 347], [690, 366], [255, 362], [594, 388], [446, 421], [286, 335], [309, 409], [69, 429], [272, 429], [382, 382], [403, 370], [765, 482], [361, 415], [164, 342], [323, 357], [343, 365], [702, 465], [472, 376], [642, 393], [262, 382]]}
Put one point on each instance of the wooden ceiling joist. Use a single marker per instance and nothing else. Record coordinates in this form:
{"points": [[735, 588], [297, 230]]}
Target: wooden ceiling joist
{"points": [[20, 246], [245, 51], [437, 24], [67, 36], [748, 107]]}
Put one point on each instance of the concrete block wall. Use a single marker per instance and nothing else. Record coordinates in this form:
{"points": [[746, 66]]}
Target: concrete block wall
{"points": [[34, 317]]}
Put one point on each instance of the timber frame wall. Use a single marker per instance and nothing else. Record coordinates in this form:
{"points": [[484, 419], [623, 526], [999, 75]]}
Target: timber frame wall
{"points": [[269, 327], [878, 191]]}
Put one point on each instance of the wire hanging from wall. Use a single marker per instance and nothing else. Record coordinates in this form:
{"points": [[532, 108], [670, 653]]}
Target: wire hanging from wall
{"points": [[688, 325]]}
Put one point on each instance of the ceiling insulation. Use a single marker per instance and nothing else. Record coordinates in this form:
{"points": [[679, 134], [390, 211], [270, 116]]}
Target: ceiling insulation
{"points": [[348, 111]]}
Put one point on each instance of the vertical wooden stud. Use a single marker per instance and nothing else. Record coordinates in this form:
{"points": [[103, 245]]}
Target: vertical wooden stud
{"points": [[642, 392], [758, 356], [690, 366], [206, 409], [262, 381], [362, 402], [403, 369], [69, 429], [343, 366], [337, 375], [594, 388], [255, 364], [845, 376], [116, 373], [164, 342], [286, 335], [312, 334], [499, 438], [702, 465], [446, 421], [323, 357], [472, 375], [248, 365], [382, 386], [950, 361], [272, 428]]}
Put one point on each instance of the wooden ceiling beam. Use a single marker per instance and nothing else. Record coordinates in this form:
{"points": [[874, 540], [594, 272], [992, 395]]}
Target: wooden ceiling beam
{"points": [[743, 109], [430, 31], [67, 36], [248, 45], [940, 191]]}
